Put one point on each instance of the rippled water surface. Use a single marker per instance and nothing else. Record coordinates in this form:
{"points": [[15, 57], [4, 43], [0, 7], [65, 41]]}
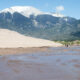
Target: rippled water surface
{"points": [[57, 64]]}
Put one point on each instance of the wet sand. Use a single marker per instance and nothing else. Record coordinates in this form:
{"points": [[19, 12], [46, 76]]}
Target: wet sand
{"points": [[49, 64], [10, 51]]}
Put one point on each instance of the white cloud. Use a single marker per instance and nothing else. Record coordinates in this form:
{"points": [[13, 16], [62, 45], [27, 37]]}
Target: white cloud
{"points": [[59, 8]]}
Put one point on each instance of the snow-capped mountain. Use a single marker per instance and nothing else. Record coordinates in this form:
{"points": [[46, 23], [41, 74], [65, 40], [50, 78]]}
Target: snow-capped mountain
{"points": [[28, 10], [24, 10], [33, 22]]}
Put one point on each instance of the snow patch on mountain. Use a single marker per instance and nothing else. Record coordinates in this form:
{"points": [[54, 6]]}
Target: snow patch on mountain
{"points": [[24, 10], [57, 15], [27, 11]]}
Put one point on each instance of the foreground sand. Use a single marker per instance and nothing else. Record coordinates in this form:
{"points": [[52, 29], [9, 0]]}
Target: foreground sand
{"points": [[12, 39]]}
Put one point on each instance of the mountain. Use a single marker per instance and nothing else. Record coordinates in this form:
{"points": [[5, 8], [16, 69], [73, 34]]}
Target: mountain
{"points": [[12, 39], [30, 21], [25, 10]]}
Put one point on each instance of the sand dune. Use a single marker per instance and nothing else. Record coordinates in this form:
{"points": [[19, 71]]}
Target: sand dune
{"points": [[12, 39]]}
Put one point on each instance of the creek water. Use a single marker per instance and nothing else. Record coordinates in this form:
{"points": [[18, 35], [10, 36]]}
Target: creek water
{"points": [[57, 64]]}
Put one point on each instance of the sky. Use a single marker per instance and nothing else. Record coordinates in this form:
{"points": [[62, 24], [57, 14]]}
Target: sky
{"points": [[66, 7]]}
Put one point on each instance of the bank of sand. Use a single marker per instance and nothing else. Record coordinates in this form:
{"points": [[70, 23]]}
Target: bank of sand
{"points": [[13, 42], [11, 51]]}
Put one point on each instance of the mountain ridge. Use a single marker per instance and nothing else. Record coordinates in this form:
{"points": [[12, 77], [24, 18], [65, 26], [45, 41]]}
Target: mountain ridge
{"points": [[31, 10]]}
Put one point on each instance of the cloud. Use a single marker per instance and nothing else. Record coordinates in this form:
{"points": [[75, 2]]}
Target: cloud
{"points": [[59, 8]]}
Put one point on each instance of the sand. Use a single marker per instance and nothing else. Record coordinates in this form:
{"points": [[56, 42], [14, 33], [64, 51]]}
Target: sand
{"points": [[15, 51], [12, 39]]}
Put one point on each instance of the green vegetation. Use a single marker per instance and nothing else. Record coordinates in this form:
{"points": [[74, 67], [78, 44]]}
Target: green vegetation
{"points": [[77, 42]]}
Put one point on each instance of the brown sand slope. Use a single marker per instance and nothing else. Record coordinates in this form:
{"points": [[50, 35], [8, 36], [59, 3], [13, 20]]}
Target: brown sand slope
{"points": [[12, 39]]}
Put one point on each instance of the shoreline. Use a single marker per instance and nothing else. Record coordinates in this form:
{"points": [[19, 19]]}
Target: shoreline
{"points": [[15, 51], [28, 50]]}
